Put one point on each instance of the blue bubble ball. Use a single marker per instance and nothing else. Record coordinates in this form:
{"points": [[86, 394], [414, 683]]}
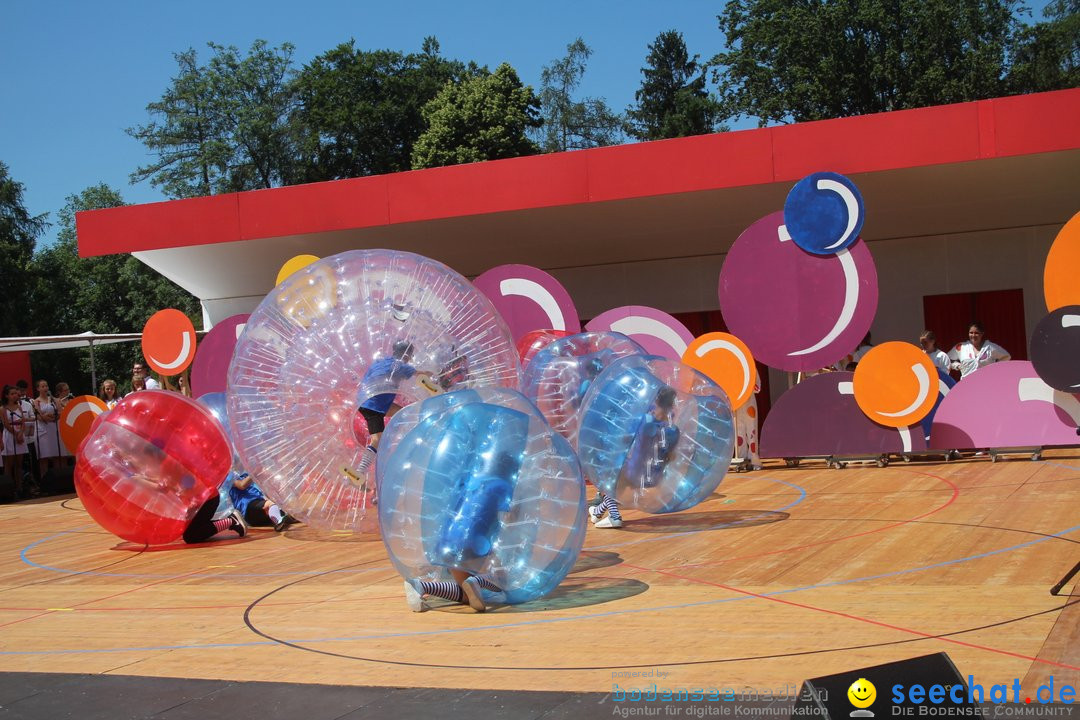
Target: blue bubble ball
{"points": [[655, 434], [475, 480]]}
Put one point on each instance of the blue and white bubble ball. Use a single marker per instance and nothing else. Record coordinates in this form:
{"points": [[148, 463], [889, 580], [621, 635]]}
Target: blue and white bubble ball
{"points": [[655, 434], [476, 480]]}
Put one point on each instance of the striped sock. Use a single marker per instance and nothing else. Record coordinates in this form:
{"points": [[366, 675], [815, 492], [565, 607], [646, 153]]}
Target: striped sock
{"points": [[612, 508], [487, 584], [444, 589], [225, 523]]}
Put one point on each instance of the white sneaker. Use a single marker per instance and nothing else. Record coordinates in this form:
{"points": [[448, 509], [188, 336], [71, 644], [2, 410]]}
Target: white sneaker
{"points": [[609, 522], [593, 517], [471, 588], [414, 599]]}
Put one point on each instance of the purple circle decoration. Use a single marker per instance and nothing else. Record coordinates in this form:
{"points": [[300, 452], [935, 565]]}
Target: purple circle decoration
{"points": [[210, 367], [528, 299], [794, 310], [655, 330]]}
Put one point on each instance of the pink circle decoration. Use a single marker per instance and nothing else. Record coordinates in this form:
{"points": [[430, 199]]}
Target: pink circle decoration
{"points": [[794, 310], [528, 299], [655, 330], [211, 364]]}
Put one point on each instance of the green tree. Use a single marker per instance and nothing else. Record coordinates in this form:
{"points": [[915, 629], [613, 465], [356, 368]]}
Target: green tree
{"points": [[224, 126], [673, 100], [1047, 55], [106, 294], [574, 124], [797, 60], [484, 117], [360, 112], [18, 235]]}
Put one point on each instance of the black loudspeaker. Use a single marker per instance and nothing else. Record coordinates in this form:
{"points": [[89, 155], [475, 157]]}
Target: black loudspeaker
{"points": [[899, 690], [59, 481]]}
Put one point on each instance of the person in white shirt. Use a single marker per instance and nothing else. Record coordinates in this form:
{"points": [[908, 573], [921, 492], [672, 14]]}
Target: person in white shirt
{"points": [[139, 369], [940, 358], [977, 352]]}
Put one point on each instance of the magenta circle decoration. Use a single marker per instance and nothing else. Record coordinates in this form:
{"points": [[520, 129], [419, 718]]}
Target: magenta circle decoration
{"points": [[528, 299], [796, 311], [211, 364], [655, 330]]}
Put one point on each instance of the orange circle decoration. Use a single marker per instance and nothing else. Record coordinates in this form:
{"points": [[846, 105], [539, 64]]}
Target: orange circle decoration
{"points": [[1062, 265], [168, 342], [77, 418], [896, 384], [724, 359], [292, 265]]}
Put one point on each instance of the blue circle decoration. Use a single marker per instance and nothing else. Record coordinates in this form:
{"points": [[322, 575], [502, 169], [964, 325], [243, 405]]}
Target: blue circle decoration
{"points": [[824, 213]]}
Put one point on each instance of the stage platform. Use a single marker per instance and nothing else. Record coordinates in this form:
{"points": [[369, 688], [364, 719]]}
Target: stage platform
{"points": [[784, 574]]}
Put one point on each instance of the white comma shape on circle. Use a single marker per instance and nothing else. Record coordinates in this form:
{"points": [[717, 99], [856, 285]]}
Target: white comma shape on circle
{"points": [[924, 391], [711, 345], [850, 203], [185, 351], [851, 297], [80, 410], [638, 325], [539, 295]]}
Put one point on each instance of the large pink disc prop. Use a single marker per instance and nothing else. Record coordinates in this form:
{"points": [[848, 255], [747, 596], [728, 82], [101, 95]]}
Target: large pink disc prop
{"points": [[211, 364], [794, 310], [528, 299]]}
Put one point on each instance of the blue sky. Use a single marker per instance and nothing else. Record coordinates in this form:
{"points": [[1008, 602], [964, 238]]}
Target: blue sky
{"points": [[77, 73]]}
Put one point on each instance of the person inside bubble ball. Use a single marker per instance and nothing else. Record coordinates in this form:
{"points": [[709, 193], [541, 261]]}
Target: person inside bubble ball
{"points": [[376, 409], [467, 536], [650, 452], [253, 506]]}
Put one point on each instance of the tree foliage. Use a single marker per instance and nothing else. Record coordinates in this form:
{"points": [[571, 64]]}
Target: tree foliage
{"points": [[797, 60], [484, 117], [574, 124], [360, 112], [1047, 55], [18, 235], [224, 126], [673, 100], [107, 294]]}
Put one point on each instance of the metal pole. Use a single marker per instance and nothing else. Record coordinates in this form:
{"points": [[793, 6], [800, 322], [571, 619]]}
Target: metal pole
{"points": [[93, 370]]}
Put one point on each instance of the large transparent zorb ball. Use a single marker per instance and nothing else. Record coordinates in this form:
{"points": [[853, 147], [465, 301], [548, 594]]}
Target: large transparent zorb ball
{"points": [[476, 481], [655, 434], [310, 354]]}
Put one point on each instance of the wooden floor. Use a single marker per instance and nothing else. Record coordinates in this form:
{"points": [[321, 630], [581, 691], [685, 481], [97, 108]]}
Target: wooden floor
{"points": [[785, 574]]}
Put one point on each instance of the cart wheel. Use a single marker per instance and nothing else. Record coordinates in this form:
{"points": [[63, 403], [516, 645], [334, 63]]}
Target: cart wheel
{"points": [[993, 457], [1036, 456], [907, 458], [883, 461]]}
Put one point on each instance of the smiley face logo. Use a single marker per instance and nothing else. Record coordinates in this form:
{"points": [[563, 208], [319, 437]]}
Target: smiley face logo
{"points": [[862, 693]]}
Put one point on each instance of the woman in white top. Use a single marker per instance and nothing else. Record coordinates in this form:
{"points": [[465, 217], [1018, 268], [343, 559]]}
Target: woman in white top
{"points": [[48, 430], [977, 352], [13, 438], [941, 361]]}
